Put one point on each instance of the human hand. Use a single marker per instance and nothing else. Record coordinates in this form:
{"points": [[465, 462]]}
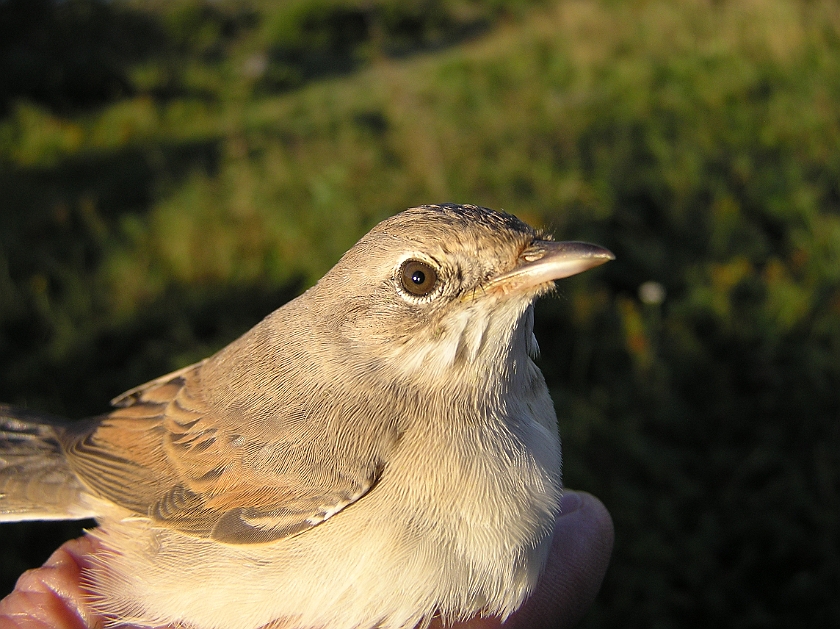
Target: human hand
{"points": [[53, 597]]}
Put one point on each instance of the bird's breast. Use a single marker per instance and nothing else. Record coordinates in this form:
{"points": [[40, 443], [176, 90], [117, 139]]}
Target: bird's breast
{"points": [[483, 494]]}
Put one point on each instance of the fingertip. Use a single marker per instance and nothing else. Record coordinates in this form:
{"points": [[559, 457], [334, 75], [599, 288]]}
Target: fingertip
{"points": [[74, 552], [584, 518], [580, 553], [50, 596]]}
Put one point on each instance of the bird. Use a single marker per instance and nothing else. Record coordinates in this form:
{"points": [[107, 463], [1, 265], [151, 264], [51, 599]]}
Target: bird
{"points": [[378, 452]]}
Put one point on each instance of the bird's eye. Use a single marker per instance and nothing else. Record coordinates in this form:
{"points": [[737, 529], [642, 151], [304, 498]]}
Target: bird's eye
{"points": [[418, 278]]}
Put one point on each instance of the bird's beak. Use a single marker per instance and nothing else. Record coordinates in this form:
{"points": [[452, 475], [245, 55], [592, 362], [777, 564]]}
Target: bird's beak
{"points": [[545, 261]]}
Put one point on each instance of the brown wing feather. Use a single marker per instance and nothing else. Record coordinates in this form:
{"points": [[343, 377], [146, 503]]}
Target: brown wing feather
{"points": [[163, 454]]}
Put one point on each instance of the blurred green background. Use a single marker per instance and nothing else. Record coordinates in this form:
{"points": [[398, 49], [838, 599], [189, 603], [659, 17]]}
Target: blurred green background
{"points": [[172, 171]]}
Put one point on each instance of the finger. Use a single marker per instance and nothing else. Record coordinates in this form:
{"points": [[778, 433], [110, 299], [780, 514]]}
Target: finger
{"points": [[51, 596], [580, 554]]}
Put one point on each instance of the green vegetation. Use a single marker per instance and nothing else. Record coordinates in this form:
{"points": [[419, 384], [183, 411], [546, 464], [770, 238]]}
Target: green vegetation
{"points": [[172, 171]]}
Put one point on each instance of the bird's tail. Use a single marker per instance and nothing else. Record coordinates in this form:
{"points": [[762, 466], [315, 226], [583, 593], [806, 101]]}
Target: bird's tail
{"points": [[36, 483]]}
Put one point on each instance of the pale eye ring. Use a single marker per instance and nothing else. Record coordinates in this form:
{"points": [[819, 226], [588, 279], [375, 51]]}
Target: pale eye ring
{"points": [[418, 278]]}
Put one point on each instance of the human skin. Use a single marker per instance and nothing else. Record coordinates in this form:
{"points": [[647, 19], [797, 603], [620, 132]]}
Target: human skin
{"points": [[53, 597]]}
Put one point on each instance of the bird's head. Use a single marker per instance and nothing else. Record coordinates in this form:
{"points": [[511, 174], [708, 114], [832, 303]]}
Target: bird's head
{"points": [[439, 288]]}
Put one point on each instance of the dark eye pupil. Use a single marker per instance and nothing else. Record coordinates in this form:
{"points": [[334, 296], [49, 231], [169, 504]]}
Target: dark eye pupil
{"points": [[418, 278]]}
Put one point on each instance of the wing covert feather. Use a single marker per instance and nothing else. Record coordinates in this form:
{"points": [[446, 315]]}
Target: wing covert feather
{"points": [[164, 454]]}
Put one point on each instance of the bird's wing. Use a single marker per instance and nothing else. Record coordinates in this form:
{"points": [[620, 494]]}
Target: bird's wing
{"points": [[164, 455]]}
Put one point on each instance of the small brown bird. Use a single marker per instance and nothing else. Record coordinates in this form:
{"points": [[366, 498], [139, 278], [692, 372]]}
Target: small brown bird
{"points": [[378, 451]]}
